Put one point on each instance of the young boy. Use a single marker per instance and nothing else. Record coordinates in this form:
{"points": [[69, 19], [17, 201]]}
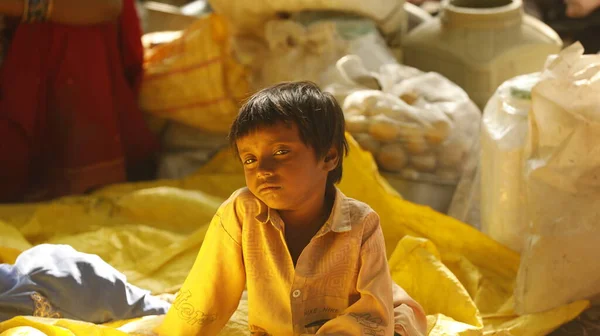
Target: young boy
{"points": [[313, 260]]}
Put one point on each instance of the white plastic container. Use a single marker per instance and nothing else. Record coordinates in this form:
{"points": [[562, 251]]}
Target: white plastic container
{"points": [[481, 44]]}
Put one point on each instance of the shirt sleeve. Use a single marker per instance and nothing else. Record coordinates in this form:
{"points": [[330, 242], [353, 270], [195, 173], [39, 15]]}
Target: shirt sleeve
{"points": [[212, 290], [372, 313], [409, 316]]}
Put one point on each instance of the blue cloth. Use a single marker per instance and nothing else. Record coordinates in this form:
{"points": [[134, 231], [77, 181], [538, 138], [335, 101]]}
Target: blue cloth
{"points": [[79, 286], [8, 277]]}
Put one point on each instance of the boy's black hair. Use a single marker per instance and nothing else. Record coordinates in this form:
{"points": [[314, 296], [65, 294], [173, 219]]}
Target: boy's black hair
{"points": [[318, 116]]}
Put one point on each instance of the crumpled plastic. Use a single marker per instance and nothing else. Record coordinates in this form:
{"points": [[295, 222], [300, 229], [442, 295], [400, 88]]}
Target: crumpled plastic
{"points": [[561, 174]]}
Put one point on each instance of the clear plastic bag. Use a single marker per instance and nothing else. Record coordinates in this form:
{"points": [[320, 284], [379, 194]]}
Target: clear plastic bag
{"points": [[418, 125], [503, 137], [465, 205]]}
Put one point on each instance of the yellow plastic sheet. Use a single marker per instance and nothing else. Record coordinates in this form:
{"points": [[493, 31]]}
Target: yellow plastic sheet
{"points": [[152, 232], [11, 243]]}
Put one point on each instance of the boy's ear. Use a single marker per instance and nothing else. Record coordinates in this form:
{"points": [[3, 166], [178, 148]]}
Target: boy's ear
{"points": [[331, 159]]}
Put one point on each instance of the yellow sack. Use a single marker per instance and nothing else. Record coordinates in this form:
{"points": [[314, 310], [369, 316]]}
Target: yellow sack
{"points": [[12, 243], [195, 79], [416, 266], [152, 231]]}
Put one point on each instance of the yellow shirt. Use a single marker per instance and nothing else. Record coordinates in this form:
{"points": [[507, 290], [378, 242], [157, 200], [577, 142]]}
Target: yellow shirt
{"points": [[341, 284]]}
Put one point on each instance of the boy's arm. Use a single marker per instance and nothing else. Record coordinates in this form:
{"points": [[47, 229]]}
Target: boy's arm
{"points": [[409, 316], [212, 290], [372, 314]]}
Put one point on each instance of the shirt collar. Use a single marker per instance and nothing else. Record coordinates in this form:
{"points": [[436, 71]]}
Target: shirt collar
{"points": [[338, 221]]}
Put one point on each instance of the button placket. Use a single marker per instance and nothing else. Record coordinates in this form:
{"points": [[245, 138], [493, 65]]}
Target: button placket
{"points": [[297, 303]]}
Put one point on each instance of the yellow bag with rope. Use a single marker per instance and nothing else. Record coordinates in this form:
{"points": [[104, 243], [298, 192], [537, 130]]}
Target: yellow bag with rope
{"points": [[195, 78]]}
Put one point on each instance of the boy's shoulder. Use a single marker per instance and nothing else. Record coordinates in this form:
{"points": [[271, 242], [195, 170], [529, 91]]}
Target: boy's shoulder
{"points": [[242, 195], [358, 208], [242, 202], [351, 212]]}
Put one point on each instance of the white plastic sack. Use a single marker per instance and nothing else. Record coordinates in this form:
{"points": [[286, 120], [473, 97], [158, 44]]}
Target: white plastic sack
{"points": [[503, 135], [559, 263], [307, 46], [248, 17]]}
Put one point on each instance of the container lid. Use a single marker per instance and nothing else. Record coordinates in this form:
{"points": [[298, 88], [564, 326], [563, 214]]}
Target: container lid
{"points": [[515, 93], [482, 13]]}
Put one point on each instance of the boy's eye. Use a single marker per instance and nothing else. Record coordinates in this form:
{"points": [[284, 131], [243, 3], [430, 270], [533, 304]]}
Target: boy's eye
{"points": [[282, 152], [249, 161]]}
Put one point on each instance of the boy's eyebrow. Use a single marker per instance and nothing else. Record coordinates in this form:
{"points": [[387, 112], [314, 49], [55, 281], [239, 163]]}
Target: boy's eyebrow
{"points": [[271, 142], [246, 149], [243, 150]]}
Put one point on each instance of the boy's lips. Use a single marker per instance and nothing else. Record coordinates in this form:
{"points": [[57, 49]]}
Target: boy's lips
{"points": [[267, 187]]}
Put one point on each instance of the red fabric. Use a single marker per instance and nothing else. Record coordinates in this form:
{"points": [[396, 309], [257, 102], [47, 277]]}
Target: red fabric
{"points": [[68, 106]]}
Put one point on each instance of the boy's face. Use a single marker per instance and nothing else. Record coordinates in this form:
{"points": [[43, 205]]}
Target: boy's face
{"points": [[281, 170]]}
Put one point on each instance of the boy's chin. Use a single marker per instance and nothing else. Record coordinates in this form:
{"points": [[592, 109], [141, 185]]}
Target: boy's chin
{"points": [[274, 202], [276, 199]]}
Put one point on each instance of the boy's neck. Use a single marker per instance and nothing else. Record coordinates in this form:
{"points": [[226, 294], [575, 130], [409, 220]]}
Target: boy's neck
{"points": [[313, 214]]}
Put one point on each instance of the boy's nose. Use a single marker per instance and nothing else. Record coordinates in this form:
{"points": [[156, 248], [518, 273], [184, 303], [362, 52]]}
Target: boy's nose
{"points": [[263, 175], [266, 167]]}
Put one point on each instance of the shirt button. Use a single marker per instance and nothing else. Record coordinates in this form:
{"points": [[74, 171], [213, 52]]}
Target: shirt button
{"points": [[296, 293]]}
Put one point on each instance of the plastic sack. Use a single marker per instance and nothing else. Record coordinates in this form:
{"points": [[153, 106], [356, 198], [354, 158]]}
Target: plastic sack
{"points": [[307, 46], [562, 176], [419, 125], [195, 79], [249, 17], [503, 136]]}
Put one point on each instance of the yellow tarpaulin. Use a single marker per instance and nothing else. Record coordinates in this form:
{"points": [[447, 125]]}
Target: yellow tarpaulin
{"points": [[152, 233]]}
